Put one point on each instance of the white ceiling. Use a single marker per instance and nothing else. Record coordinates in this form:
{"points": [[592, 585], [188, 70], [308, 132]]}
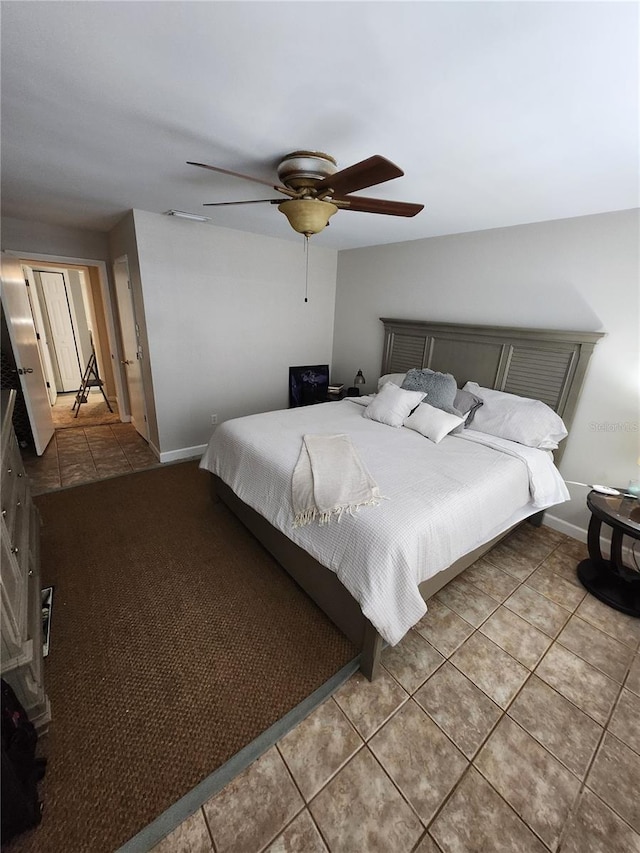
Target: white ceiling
{"points": [[498, 113]]}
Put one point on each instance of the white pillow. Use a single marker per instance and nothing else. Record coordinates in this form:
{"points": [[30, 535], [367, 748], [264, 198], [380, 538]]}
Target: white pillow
{"points": [[520, 419], [432, 423], [392, 405], [396, 378]]}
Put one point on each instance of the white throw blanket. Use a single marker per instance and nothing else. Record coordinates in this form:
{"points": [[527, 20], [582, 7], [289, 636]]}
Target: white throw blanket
{"points": [[329, 479]]}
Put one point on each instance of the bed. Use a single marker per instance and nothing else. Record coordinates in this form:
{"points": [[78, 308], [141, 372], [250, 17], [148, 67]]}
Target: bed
{"points": [[443, 505]]}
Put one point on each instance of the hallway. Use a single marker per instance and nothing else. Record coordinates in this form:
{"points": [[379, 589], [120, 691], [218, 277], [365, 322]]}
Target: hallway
{"points": [[92, 446]]}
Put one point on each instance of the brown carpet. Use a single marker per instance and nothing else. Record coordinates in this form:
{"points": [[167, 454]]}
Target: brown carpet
{"points": [[175, 640], [94, 412]]}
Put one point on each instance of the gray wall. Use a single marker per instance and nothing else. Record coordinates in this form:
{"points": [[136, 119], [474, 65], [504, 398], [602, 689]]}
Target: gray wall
{"points": [[225, 318], [580, 274]]}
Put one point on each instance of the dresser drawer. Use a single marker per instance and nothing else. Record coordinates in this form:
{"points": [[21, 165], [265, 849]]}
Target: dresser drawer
{"points": [[20, 597], [15, 586], [13, 483]]}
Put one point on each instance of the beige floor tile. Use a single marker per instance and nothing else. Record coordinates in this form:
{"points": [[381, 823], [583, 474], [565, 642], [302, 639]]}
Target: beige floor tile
{"points": [[420, 759], [362, 810], [477, 820], [578, 550], [76, 474], [369, 704], [254, 807], [599, 649], [530, 779], [547, 583], [633, 679], [615, 778], [427, 845], [549, 534], [490, 668], [301, 836], [564, 730], [460, 708], [70, 436], [113, 469], [443, 628], [318, 747], [192, 836], [579, 682], [613, 622], [412, 661], [44, 482], [594, 828], [535, 542], [537, 610], [491, 580], [563, 564], [509, 631], [625, 722], [467, 600], [74, 456], [506, 557]]}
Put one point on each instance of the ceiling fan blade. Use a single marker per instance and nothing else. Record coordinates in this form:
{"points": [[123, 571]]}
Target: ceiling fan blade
{"points": [[366, 173], [277, 187], [252, 201], [377, 205]]}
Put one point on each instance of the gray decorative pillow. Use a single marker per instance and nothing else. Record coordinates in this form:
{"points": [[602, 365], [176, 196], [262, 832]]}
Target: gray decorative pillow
{"points": [[440, 388], [465, 401]]}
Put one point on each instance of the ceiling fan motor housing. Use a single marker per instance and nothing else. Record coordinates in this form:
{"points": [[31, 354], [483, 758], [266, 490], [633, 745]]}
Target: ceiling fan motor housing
{"points": [[305, 168]]}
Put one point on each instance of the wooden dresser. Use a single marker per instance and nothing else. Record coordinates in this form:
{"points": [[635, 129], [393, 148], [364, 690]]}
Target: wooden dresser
{"points": [[21, 661]]}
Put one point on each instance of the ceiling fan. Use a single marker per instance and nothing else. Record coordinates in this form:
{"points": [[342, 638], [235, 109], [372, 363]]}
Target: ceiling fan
{"points": [[316, 189]]}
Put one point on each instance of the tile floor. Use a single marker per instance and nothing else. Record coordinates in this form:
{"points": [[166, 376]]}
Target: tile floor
{"points": [[507, 720], [82, 454]]}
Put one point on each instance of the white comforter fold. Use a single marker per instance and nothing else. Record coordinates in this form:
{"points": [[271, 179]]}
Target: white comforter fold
{"points": [[442, 501]]}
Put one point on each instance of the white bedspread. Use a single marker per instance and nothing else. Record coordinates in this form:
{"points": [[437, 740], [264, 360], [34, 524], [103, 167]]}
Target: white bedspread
{"points": [[442, 500]]}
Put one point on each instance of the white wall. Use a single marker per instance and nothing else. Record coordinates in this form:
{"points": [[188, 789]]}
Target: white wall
{"points": [[580, 274], [122, 241], [226, 317], [41, 238]]}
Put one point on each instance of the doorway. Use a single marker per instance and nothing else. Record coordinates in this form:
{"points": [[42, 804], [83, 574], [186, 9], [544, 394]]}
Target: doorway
{"points": [[83, 283], [70, 324]]}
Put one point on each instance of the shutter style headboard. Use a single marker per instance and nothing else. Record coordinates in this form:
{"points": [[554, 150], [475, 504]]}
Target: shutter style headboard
{"points": [[546, 364]]}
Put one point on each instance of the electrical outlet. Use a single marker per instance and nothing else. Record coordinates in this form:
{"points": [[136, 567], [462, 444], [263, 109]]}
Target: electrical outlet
{"points": [[214, 420]]}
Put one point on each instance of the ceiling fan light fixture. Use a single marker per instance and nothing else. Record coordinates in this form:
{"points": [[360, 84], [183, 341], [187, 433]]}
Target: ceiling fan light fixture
{"points": [[307, 215]]}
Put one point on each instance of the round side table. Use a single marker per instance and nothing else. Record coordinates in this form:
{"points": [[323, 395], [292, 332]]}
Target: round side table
{"points": [[610, 580]]}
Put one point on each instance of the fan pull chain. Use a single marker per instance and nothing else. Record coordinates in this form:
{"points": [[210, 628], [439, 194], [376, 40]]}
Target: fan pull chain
{"points": [[306, 272]]}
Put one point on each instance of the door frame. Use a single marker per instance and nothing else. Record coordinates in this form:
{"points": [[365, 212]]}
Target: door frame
{"points": [[41, 335], [112, 336], [127, 306]]}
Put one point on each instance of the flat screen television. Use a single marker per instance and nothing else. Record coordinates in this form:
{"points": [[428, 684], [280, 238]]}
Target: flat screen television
{"points": [[308, 384]]}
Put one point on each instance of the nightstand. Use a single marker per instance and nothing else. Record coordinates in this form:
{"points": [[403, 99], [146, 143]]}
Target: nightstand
{"points": [[610, 580]]}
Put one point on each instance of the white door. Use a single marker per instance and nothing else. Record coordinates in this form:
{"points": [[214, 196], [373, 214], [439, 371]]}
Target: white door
{"points": [[132, 349], [58, 309], [41, 335], [22, 334]]}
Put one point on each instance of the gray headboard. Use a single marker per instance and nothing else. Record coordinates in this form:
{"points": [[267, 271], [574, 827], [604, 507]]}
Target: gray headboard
{"points": [[546, 364]]}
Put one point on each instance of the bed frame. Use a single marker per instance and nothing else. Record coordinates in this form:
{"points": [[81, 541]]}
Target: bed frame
{"points": [[549, 365]]}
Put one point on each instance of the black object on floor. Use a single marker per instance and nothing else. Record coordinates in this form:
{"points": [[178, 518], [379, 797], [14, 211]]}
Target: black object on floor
{"points": [[21, 770]]}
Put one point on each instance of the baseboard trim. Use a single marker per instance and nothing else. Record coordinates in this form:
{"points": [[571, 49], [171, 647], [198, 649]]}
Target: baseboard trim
{"points": [[182, 453], [562, 526]]}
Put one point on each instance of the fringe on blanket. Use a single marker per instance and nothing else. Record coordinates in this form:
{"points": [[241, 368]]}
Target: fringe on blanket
{"points": [[330, 480], [309, 515]]}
